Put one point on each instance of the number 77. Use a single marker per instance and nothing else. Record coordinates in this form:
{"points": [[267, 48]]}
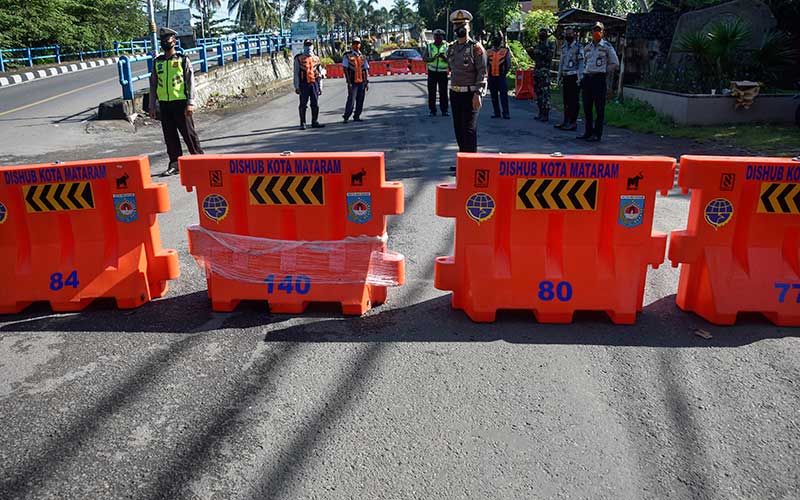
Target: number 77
{"points": [[784, 288]]}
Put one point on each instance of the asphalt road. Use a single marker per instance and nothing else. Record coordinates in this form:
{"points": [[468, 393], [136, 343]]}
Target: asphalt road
{"points": [[413, 400]]}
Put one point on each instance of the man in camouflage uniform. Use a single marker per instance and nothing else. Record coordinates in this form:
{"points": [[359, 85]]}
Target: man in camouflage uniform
{"points": [[542, 54]]}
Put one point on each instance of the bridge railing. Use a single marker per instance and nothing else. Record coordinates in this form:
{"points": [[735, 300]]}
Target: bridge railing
{"points": [[56, 54], [223, 50]]}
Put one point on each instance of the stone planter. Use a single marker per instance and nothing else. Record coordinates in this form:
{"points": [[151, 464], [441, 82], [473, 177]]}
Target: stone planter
{"points": [[708, 109]]}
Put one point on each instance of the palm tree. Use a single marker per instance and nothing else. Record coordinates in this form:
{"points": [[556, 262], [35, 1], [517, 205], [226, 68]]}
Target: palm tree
{"points": [[255, 15], [401, 15], [206, 8]]}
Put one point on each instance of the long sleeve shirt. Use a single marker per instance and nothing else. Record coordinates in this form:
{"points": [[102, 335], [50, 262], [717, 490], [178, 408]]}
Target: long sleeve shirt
{"points": [[572, 62], [468, 67], [177, 63]]}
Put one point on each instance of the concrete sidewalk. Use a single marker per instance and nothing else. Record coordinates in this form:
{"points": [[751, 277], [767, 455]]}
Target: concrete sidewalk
{"points": [[9, 80]]}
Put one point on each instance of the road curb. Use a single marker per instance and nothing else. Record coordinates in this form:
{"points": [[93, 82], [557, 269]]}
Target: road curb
{"points": [[8, 81]]}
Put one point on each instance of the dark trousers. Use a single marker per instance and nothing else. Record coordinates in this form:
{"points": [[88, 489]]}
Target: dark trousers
{"points": [[465, 121], [355, 93], [498, 86], [437, 80], [594, 94], [309, 92], [174, 120], [571, 105]]}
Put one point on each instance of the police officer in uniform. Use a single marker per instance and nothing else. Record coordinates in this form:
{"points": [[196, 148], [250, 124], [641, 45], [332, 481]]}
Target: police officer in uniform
{"points": [[600, 59], [499, 62], [570, 71], [172, 86], [356, 72], [307, 80], [436, 57], [467, 61], [542, 54]]}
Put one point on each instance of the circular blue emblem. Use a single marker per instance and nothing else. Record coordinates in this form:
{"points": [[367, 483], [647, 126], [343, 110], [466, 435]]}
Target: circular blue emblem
{"points": [[3, 213], [480, 207], [719, 212], [215, 207]]}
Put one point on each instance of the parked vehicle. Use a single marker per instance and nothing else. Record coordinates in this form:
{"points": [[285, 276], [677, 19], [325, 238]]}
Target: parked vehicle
{"points": [[400, 54]]}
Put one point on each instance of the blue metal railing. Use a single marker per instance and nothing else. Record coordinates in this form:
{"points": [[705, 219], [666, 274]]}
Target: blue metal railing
{"points": [[250, 46], [31, 55]]}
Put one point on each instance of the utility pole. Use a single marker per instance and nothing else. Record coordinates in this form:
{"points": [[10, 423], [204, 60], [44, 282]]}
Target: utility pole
{"points": [[153, 37], [168, 9]]}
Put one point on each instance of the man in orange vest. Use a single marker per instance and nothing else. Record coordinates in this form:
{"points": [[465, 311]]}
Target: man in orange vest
{"points": [[499, 58], [307, 76], [356, 72]]}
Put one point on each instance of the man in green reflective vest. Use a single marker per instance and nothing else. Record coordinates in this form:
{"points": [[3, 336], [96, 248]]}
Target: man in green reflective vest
{"points": [[436, 57], [172, 85]]}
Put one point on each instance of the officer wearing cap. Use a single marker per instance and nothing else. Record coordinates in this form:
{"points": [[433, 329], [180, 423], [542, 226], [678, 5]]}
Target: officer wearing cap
{"points": [[570, 72], [172, 86], [356, 72], [307, 80], [499, 62], [467, 61], [600, 59], [436, 57]]}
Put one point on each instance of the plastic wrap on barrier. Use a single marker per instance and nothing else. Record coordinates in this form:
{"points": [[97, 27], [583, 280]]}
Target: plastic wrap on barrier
{"points": [[353, 260]]}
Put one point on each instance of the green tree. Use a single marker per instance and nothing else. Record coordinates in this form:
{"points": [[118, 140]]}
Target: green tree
{"points": [[499, 14], [255, 15], [536, 20]]}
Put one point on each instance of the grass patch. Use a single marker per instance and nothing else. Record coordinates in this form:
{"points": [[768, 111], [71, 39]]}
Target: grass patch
{"points": [[764, 139]]}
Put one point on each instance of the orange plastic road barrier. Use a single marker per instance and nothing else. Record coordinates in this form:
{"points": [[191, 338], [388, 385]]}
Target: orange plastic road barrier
{"points": [[419, 67], [552, 234], [524, 88], [74, 232], [334, 71], [378, 68], [400, 67], [741, 250], [294, 229]]}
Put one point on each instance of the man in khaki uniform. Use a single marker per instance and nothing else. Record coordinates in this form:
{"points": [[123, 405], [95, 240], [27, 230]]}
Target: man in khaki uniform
{"points": [[467, 61]]}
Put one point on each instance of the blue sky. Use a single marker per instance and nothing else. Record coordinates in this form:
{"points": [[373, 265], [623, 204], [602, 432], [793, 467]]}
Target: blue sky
{"points": [[223, 11]]}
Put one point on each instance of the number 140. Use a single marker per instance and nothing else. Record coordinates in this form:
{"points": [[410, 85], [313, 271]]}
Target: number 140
{"points": [[784, 288]]}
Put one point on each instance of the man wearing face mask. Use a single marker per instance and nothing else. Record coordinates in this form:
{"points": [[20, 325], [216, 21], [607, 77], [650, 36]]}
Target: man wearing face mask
{"points": [[467, 61], [601, 59], [499, 62], [437, 72], [307, 79], [570, 71], [356, 72], [172, 86], [542, 55]]}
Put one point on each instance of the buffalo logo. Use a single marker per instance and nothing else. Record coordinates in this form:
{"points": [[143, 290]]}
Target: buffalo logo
{"points": [[215, 177], [122, 182], [726, 182], [633, 182], [481, 178], [357, 179], [359, 207]]}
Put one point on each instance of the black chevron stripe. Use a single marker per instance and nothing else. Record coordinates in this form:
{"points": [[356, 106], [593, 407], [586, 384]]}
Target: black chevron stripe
{"points": [[301, 189], [572, 194], [557, 194], [71, 195], [31, 199], [782, 198], [591, 194], [43, 197], [287, 182], [539, 194], [87, 195], [317, 191], [254, 190], [270, 190], [796, 200], [523, 194], [59, 191], [765, 197]]}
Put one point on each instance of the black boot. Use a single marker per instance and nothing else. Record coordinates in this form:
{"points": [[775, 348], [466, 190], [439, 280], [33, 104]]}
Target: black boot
{"points": [[315, 119], [302, 119]]}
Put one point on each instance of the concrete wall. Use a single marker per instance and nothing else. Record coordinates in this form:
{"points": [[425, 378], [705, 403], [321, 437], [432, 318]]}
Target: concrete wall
{"points": [[707, 109]]}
